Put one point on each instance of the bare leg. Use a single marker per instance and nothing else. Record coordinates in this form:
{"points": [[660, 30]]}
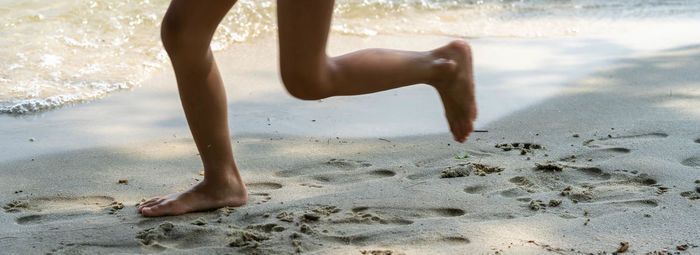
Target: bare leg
{"points": [[187, 29], [308, 73]]}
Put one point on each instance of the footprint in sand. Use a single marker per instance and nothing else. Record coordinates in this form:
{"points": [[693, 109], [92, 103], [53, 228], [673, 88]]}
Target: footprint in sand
{"points": [[239, 230], [59, 204], [49, 209], [596, 154], [342, 177], [524, 183], [692, 162], [311, 185], [46, 218], [449, 159], [414, 213], [254, 186], [610, 147], [551, 181], [457, 171], [347, 164], [197, 234], [373, 237], [621, 191], [587, 173], [652, 135], [424, 175], [427, 162], [692, 195], [453, 240], [256, 194], [589, 187], [394, 215], [151, 235], [614, 140], [475, 189], [523, 187], [513, 192], [258, 198], [332, 164], [480, 189], [351, 228]]}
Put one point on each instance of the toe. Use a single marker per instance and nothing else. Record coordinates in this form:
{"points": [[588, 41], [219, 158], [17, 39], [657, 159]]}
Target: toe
{"points": [[459, 137], [151, 203], [147, 204], [455, 131], [150, 200], [152, 211], [164, 208], [148, 212], [144, 205], [464, 128]]}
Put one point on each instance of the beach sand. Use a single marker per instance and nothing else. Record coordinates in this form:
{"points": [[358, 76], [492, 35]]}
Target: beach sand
{"points": [[609, 154]]}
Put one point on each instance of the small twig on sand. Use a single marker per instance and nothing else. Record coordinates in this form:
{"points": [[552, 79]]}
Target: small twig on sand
{"points": [[481, 131], [386, 140]]}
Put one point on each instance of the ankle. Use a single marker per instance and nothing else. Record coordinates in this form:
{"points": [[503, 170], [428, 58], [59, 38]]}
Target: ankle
{"points": [[223, 176], [442, 71], [446, 61]]}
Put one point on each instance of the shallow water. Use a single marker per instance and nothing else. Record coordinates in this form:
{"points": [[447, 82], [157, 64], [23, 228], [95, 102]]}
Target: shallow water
{"points": [[60, 52]]}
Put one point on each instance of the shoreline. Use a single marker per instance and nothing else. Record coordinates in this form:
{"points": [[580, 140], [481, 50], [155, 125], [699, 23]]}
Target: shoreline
{"points": [[258, 102]]}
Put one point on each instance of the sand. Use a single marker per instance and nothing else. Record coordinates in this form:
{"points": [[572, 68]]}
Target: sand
{"points": [[618, 150]]}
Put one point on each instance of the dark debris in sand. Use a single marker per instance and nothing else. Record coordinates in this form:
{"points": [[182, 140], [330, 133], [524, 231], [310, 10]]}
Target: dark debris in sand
{"points": [[377, 252], [524, 148], [115, 206], [15, 206], [690, 195], [152, 235], [465, 169], [537, 205], [456, 171], [551, 167], [247, 237]]}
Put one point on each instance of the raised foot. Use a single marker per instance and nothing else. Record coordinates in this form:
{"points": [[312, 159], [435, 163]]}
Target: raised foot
{"points": [[455, 84], [201, 197]]}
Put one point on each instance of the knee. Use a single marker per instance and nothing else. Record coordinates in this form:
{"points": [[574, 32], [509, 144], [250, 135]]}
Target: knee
{"points": [[171, 30], [306, 85], [175, 33]]}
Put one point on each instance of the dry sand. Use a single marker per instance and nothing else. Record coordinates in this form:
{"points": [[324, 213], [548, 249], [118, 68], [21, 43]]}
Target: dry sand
{"points": [[618, 153]]}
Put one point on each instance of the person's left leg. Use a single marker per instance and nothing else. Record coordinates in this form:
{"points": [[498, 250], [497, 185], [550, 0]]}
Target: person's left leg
{"points": [[187, 29], [309, 74]]}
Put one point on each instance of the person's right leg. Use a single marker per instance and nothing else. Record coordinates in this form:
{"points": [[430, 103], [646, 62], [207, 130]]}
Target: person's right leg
{"points": [[187, 29], [308, 73]]}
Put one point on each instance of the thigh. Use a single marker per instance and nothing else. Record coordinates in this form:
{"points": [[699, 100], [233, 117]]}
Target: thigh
{"points": [[303, 32]]}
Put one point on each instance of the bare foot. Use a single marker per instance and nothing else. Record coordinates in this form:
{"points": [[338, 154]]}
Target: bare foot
{"points": [[203, 196], [455, 84]]}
